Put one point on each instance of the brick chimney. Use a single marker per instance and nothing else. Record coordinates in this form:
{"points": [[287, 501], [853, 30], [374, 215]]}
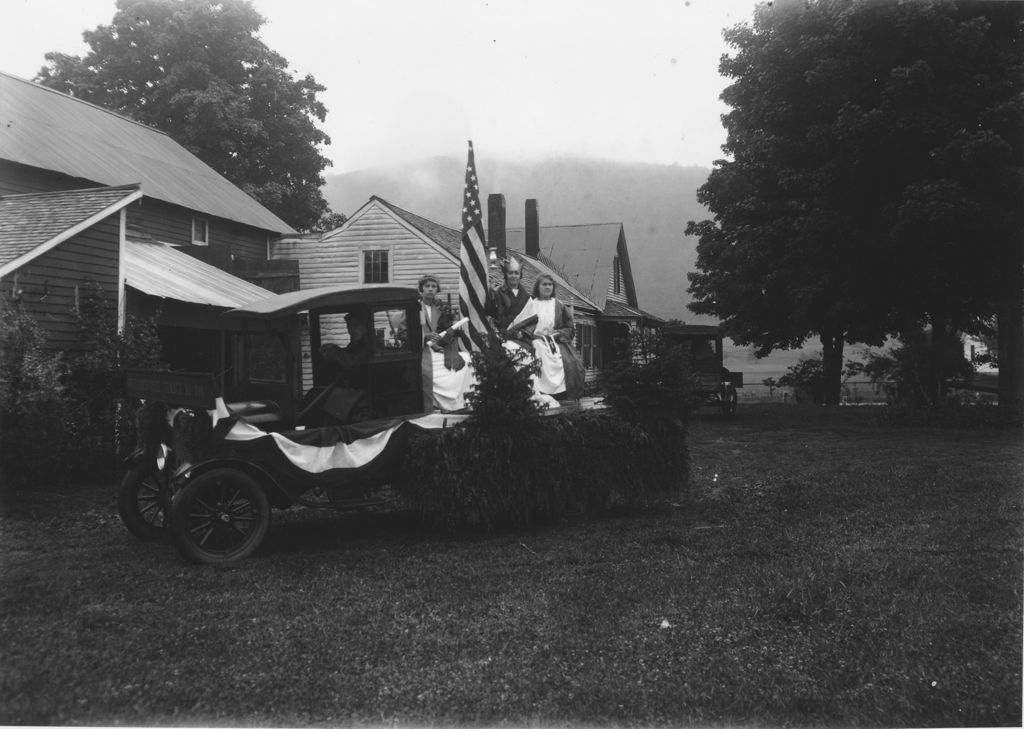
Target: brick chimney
{"points": [[496, 223], [532, 242]]}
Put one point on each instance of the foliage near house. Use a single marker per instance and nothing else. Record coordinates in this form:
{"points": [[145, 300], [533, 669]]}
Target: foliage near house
{"points": [[60, 419], [876, 179], [196, 70]]}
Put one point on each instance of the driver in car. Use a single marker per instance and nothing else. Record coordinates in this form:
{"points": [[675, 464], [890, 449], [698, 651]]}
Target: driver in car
{"points": [[347, 404], [357, 352]]}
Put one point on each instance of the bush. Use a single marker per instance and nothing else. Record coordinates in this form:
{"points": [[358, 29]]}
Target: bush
{"points": [[657, 395], [510, 466], [61, 414], [807, 380], [912, 373], [103, 423], [954, 411], [33, 414]]}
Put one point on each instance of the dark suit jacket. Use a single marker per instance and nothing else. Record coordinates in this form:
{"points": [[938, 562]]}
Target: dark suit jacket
{"points": [[503, 305]]}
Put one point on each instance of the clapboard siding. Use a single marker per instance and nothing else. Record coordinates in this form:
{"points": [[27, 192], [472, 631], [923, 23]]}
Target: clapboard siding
{"points": [[622, 297], [17, 179], [162, 221], [46, 284], [173, 224], [338, 259]]}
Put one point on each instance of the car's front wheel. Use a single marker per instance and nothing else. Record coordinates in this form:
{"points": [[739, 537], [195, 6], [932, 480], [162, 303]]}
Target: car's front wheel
{"points": [[220, 516]]}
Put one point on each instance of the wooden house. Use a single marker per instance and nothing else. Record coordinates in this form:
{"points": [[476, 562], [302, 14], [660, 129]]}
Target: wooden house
{"points": [[89, 197], [383, 243], [594, 258]]}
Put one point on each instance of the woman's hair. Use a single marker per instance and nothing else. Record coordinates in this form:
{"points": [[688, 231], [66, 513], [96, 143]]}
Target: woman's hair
{"points": [[544, 277], [424, 279]]}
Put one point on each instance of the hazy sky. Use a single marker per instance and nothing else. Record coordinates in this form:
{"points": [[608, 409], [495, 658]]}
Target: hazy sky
{"points": [[628, 80]]}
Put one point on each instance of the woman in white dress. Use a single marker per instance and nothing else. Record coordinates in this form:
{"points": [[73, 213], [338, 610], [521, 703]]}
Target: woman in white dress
{"points": [[447, 372], [561, 371]]}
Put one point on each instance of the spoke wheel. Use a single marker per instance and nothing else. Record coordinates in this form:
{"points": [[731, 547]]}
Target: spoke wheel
{"points": [[141, 503], [220, 517]]}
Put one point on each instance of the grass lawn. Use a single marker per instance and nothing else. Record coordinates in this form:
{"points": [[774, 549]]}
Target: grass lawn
{"points": [[828, 571]]}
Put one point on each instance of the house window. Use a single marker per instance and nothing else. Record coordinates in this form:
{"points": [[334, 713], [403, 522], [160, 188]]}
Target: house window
{"points": [[616, 274], [375, 266], [200, 232], [586, 344]]}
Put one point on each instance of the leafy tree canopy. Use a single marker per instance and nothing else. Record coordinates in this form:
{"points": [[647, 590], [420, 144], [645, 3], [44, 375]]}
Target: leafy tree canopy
{"points": [[876, 173], [197, 70]]}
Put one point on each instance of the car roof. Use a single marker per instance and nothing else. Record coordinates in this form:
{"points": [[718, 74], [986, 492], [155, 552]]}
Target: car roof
{"points": [[326, 297]]}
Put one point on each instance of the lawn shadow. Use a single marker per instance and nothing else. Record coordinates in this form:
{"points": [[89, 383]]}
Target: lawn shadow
{"points": [[301, 530]]}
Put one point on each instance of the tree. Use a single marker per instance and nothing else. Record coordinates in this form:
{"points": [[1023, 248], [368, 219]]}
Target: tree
{"points": [[196, 70], [329, 221], [868, 143]]}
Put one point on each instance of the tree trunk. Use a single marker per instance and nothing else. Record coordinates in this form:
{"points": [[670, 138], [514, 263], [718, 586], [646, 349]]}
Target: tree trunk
{"points": [[937, 354], [832, 367], [1011, 331]]}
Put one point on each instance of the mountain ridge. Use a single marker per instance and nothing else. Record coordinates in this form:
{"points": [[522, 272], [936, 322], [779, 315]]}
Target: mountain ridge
{"points": [[653, 202]]}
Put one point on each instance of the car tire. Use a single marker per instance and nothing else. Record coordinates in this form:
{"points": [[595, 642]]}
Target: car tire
{"points": [[140, 503], [220, 516]]}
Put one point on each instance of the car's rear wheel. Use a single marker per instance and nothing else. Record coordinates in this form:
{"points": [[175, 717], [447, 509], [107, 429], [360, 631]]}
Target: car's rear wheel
{"points": [[141, 503], [730, 402], [220, 516]]}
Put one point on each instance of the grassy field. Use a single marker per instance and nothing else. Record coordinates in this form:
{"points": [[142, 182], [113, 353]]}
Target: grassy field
{"points": [[827, 571]]}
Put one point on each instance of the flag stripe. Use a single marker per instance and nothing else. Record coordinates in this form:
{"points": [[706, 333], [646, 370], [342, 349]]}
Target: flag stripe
{"points": [[473, 256]]}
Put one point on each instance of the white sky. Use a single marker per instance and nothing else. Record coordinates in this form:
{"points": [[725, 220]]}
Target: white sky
{"points": [[628, 80]]}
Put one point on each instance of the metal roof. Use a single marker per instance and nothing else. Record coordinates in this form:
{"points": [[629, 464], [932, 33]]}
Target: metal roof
{"points": [[583, 252], [31, 224], [44, 128], [160, 270], [325, 297]]}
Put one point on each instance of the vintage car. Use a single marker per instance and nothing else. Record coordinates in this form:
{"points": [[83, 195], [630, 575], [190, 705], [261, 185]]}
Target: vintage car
{"points": [[714, 385], [294, 422]]}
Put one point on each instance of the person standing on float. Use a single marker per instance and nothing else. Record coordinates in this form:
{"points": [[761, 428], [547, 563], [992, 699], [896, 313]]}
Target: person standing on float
{"points": [[505, 302]]}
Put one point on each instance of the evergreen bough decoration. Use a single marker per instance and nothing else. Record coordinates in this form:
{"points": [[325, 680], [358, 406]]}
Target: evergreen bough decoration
{"points": [[508, 465], [501, 399]]}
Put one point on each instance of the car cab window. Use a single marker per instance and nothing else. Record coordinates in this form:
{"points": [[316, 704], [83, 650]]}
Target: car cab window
{"points": [[391, 329]]}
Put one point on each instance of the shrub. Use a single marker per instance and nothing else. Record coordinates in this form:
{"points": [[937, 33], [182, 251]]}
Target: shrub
{"points": [[103, 422], [912, 373], [807, 380], [657, 395], [32, 409], [62, 415], [954, 411]]}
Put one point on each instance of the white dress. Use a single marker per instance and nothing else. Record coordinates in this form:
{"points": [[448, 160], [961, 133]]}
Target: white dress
{"points": [[451, 386], [551, 379]]}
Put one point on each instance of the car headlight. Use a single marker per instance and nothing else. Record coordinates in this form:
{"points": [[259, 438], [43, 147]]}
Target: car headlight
{"points": [[161, 457]]}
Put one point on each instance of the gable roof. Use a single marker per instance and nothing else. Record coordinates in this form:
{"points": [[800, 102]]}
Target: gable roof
{"points": [[616, 309], [584, 253], [451, 240], [33, 223], [53, 131], [448, 238], [160, 270]]}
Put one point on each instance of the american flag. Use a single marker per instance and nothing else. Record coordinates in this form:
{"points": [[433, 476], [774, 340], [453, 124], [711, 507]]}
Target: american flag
{"points": [[473, 258]]}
